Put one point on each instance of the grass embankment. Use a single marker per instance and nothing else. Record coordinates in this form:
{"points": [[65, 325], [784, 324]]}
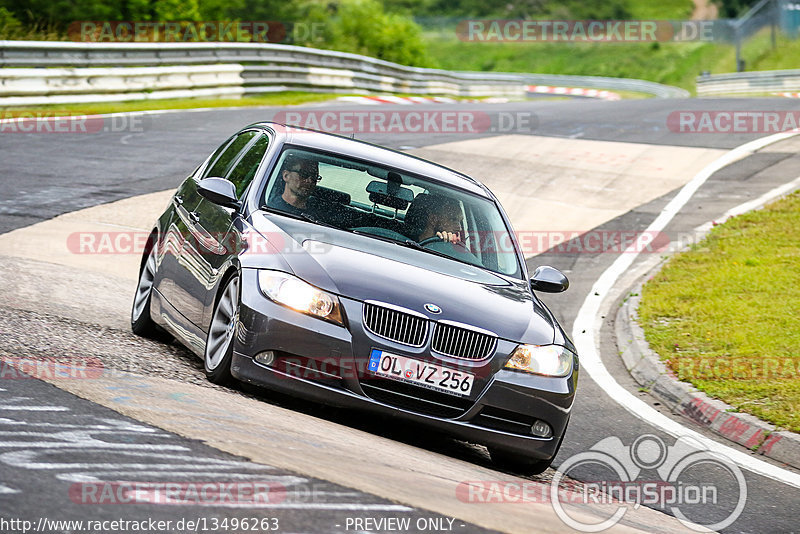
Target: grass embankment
{"points": [[286, 98], [273, 99], [676, 64], [669, 63], [725, 314]]}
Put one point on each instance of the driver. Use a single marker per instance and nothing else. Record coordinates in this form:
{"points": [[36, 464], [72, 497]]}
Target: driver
{"points": [[440, 217], [300, 177]]}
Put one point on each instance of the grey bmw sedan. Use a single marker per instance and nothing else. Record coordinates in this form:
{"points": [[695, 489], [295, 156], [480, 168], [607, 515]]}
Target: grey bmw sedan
{"points": [[362, 277]]}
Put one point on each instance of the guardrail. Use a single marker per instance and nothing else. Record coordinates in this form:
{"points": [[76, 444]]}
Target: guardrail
{"points": [[739, 83], [25, 86], [264, 68]]}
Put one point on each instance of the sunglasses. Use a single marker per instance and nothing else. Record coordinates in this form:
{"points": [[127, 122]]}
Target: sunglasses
{"points": [[307, 174]]}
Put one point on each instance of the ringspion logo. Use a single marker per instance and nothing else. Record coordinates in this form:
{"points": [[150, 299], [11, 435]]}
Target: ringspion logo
{"points": [[685, 479], [682, 483]]}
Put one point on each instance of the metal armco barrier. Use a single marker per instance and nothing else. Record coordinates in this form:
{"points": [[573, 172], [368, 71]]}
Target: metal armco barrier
{"points": [[25, 86], [738, 83], [261, 67]]}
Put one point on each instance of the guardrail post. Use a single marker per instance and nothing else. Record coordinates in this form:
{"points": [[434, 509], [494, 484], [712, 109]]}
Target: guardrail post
{"points": [[776, 12], [738, 38]]}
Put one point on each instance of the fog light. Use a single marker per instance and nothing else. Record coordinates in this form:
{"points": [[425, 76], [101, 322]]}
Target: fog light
{"points": [[541, 429], [265, 358]]}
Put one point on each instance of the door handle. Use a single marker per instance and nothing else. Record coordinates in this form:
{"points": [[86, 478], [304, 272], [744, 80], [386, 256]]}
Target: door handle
{"points": [[194, 217]]}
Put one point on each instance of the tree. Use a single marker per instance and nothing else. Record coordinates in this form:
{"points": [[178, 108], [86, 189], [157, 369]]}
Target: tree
{"points": [[732, 9], [363, 27]]}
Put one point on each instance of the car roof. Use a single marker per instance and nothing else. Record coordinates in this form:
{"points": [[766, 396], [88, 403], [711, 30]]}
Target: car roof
{"points": [[357, 149]]}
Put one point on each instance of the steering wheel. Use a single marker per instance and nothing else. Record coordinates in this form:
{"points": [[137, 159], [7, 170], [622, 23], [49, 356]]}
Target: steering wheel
{"points": [[436, 238], [459, 247]]}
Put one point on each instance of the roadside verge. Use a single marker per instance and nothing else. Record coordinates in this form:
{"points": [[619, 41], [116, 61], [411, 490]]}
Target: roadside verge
{"points": [[682, 398]]}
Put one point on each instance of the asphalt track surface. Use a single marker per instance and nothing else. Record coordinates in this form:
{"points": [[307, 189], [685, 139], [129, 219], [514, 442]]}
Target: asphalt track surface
{"points": [[96, 439], [44, 175]]}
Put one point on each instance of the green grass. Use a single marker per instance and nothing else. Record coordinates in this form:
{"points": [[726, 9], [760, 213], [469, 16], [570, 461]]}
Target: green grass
{"points": [[724, 315], [676, 64], [670, 63], [662, 10], [759, 54], [286, 98], [632, 94], [273, 99]]}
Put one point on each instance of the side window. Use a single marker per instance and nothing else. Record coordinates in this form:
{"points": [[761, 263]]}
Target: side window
{"points": [[219, 166], [245, 169], [211, 160]]}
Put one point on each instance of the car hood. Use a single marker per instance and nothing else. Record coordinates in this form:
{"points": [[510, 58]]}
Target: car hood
{"points": [[363, 268]]}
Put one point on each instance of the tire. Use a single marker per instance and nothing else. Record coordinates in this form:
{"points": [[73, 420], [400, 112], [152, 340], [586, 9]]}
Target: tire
{"points": [[142, 323], [218, 353], [509, 462]]}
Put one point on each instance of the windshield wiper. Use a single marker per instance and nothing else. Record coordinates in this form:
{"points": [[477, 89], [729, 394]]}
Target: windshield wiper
{"points": [[408, 243], [310, 218], [302, 216], [411, 244], [382, 238]]}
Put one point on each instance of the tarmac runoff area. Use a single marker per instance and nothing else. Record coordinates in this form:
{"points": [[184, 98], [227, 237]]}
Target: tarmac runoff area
{"points": [[574, 184]]}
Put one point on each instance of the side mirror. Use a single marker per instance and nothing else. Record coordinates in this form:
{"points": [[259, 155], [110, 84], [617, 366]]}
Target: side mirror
{"points": [[219, 191], [549, 280]]}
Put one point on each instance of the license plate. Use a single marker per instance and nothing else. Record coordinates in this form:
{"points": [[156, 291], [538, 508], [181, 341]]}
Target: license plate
{"points": [[420, 373]]}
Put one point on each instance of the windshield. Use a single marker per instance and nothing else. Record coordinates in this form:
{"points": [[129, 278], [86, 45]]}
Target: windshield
{"points": [[391, 205]]}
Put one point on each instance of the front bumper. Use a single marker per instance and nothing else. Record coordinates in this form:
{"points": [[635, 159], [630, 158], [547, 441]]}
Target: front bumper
{"points": [[325, 362]]}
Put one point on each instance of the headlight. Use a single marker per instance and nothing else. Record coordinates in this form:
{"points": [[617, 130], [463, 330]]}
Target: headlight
{"points": [[548, 360], [292, 292]]}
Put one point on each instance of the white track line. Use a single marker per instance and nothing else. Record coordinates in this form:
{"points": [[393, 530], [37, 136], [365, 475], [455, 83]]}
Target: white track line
{"points": [[588, 322], [752, 204]]}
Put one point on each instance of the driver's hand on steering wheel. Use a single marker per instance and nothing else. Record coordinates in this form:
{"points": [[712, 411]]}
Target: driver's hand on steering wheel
{"points": [[450, 237]]}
